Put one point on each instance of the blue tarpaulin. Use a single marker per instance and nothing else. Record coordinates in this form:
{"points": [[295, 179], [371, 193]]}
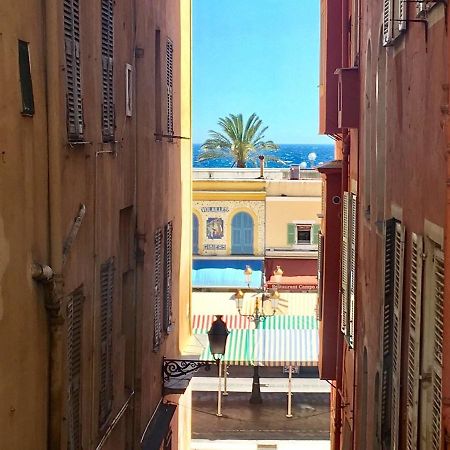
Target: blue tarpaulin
{"points": [[225, 272]]}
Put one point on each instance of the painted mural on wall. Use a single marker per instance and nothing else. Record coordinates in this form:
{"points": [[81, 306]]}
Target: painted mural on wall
{"points": [[214, 228], [215, 235]]}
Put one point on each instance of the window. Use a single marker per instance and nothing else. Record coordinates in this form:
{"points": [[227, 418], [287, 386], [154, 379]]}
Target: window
{"points": [[157, 290], [158, 98], [303, 234], [26, 85], [395, 15], [194, 234], [242, 234], [167, 313], [108, 113], [74, 102], [392, 332], [169, 86], [107, 270], [348, 267], [74, 364]]}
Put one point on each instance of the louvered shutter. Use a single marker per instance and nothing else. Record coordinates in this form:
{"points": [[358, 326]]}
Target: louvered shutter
{"points": [[74, 101], [436, 411], [107, 270], [108, 113], [291, 233], [386, 382], [421, 7], [169, 86], [402, 14], [387, 22], [320, 276], [345, 253], [158, 284], [415, 307], [352, 272], [74, 363], [315, 228], [167, 313], [399, 257]]}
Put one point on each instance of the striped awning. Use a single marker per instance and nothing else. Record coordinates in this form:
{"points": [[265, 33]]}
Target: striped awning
{"points": [[202, 323], [271, 347], [296, 347], [239, 350]]}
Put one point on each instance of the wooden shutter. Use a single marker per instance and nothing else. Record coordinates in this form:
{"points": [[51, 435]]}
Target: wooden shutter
{"points": [[107, 270], [387, 22], [386, 382], [436, 410], [345, 253], [169, 86], [402, 15], [415, 307], [108, 114], [74, 364], [167, 313], [320, 276], [352, 272], [74, 100], [157, 322], [291, 233], [315, 228], [397, 332]]}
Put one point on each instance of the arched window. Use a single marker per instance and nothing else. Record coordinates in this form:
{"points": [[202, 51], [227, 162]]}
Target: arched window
{"points": [[242, 234], [194, 234]]}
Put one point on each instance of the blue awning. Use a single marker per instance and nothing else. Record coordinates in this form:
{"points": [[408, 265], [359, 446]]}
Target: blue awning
{"points": [[224, 278]]}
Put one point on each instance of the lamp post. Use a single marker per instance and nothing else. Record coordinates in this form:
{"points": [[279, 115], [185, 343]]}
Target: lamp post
{"points": [[257, 316], [217, 336]]}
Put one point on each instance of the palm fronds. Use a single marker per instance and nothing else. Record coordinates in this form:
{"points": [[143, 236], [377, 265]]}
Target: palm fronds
{"points": [[241, 143]]}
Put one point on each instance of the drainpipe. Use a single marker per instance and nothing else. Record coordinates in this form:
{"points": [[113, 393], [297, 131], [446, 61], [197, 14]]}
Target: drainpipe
{"points": [[54, 286]]}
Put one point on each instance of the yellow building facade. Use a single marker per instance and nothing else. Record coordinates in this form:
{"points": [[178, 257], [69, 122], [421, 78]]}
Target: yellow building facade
{"points": [[280, 218]]}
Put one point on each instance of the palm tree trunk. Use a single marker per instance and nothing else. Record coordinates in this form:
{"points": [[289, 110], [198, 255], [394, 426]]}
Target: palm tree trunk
{"points": [[240, 164]]}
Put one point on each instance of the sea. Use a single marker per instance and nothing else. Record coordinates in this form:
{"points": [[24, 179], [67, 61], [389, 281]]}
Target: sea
{"points": [[305, 155]]}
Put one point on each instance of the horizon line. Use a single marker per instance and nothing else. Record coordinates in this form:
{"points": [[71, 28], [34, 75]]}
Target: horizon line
{"points": [[286, 143]]}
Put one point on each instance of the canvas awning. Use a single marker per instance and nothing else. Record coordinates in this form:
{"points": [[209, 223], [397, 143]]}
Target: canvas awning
{"points": [[271, 347], [202, 323]]}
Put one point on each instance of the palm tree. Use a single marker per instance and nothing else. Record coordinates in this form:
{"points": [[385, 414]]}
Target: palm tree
{"points": [[242, 144]]}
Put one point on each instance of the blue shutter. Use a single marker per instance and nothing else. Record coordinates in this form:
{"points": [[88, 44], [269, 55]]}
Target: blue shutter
{"points": [[242, 234], [194, 234]]}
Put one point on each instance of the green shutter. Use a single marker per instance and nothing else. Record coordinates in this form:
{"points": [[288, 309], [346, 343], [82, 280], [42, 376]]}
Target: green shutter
{"points": [[315, 234], [292, 228]]}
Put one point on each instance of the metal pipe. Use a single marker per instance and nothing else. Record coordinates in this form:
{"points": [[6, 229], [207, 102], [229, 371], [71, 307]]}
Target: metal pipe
{"points": [[219, 391], [225, 378], [289, 395], [41, 272]]}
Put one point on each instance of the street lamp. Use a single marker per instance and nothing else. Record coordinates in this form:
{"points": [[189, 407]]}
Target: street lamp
{"points": [[257, 316], [184, 368], [217, 335]]}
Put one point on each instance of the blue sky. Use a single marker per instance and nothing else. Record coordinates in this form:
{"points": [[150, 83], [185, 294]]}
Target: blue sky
{"points": [[257, 56]]}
